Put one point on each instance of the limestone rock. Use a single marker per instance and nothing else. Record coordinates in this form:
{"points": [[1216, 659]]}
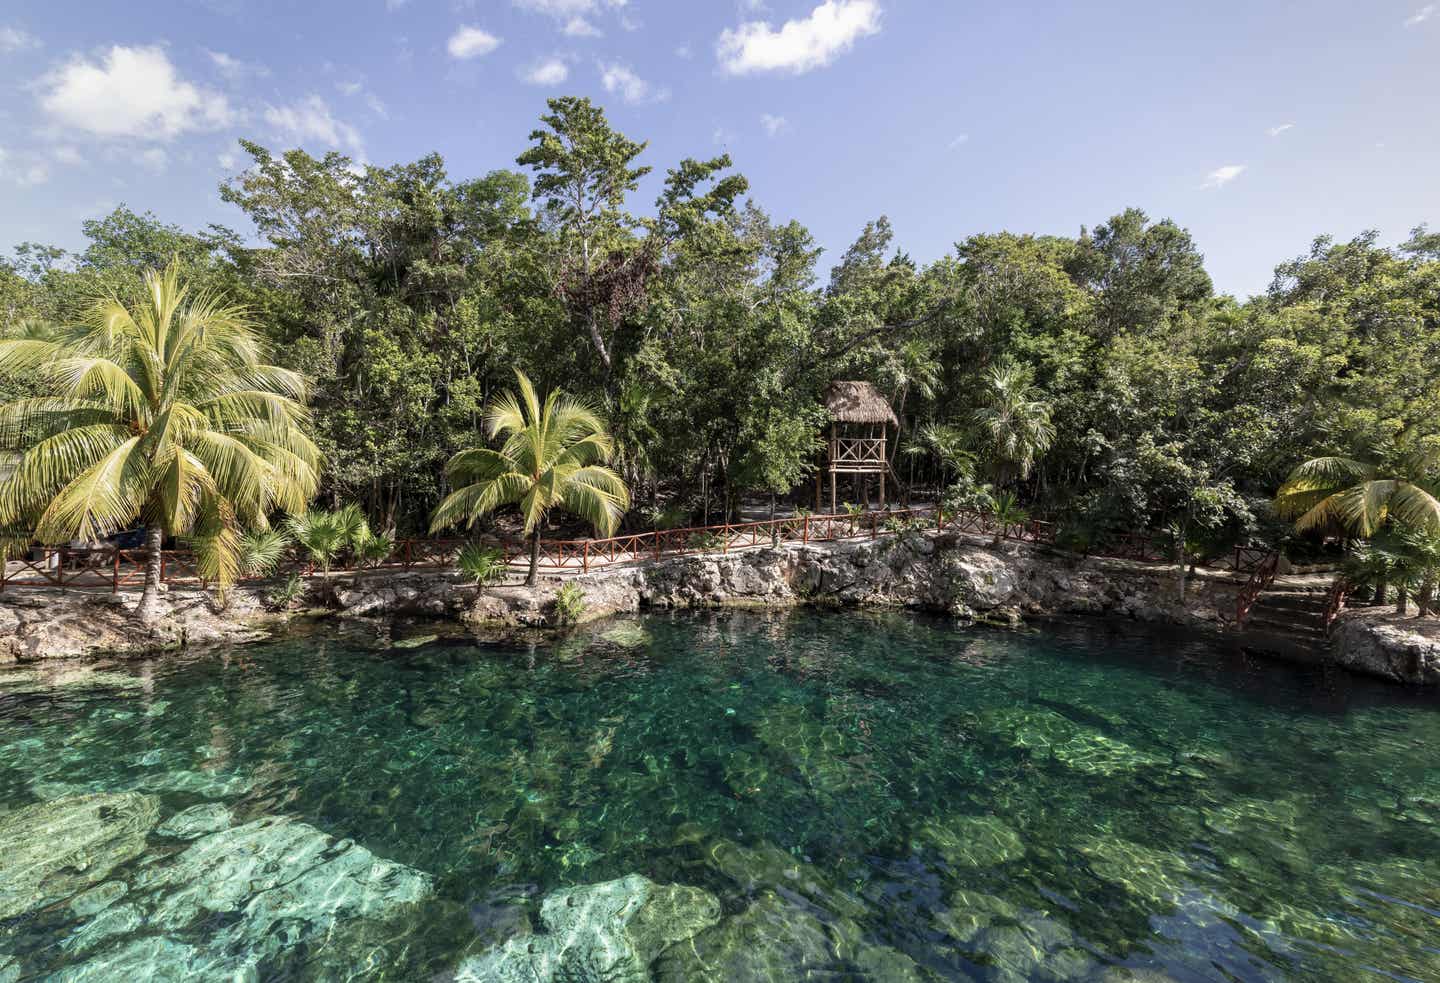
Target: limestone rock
{"points": [[1385, 645], [51, 851], [598, 933], [210, 817], [242, 898]]}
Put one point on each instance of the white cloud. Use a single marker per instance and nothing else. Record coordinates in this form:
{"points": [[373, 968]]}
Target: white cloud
{"points": [[25, 174], [66, 154], [565, 9], [684, 52], [722, 136], [799, 45], [350, 88], [1275, 131], [579, 27], [377, 105], [1422, 15], [471, 42], [620, 80], [14, 39], [155, 160], [131, 92], [1222, 176], [575, 17], [234, 69], [311, 119], [228, 161], [774, 125], [547, 71], [959, 141]]}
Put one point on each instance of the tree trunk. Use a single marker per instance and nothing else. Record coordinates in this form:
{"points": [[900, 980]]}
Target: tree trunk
{"points": [[1426, 598], [774, 531], [534, 558], [1180, 570], [148, 612], [1382, 589], [1402, 600]]}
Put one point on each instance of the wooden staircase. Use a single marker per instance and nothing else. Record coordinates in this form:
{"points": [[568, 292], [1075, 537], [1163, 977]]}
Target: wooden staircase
{"points": [[1294, 613]]}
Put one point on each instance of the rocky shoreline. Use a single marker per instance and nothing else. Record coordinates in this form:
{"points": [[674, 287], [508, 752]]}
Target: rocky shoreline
{"points": [[961, 576]]}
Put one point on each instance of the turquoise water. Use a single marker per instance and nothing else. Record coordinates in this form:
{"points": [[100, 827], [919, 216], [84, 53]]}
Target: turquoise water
{"points": [[867, 796]]}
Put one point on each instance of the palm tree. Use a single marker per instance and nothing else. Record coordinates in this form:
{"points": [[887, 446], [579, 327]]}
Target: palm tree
{"points": [[1358, 498], [552, 456], [912, 368], [1007, 513], [164, 413], [1014, 422], [948, 445]]}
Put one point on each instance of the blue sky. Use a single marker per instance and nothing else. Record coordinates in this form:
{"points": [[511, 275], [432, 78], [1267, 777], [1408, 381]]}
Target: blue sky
{"points": [[1256, 124]]}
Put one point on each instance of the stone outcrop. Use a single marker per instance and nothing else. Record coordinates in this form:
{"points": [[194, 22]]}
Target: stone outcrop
{"points": [[966, 577], [1383, 644], [45, 624], [943, 573]]}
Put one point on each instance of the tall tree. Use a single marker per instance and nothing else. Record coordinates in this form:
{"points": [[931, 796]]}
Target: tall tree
{"points": [[552, 455], [164, 413]]}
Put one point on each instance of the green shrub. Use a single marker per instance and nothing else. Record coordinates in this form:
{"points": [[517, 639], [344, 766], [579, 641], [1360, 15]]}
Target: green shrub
{"points": [[705, 541], [262, 552], [287, 593], [672, 516], [569, 605], [482, 564]]}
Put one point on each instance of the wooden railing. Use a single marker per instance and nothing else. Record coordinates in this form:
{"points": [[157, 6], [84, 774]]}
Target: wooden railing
{"points": [[1261, 579], [1249, 558], [111, 569], [1340, 592], [848, 452]]}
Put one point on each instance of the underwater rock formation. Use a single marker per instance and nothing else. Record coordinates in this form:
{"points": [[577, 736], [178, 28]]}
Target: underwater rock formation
{"points": [[230, 903], [51, 851], [598, 933]]}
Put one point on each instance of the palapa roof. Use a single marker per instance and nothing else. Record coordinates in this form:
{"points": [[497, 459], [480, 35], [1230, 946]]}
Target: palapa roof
{"points": [[858, 402]]}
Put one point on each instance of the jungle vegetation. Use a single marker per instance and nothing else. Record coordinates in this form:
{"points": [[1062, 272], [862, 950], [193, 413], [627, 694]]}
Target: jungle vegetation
{"points": [[1098, 379]]}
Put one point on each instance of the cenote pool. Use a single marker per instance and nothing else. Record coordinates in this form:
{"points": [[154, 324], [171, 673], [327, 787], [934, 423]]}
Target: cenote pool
{"points": [[843, 796]]}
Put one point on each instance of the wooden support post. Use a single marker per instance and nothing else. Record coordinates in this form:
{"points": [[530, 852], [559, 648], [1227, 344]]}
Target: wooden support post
{"points": [[585, 558], [115, 575], [882, 489]]}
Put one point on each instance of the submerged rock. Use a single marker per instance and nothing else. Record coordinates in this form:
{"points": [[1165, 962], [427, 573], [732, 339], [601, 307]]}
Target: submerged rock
{"points": [[598, 933], [210, 817], [778, 939], [1153, 875], [51, 851], [243, 898], [1047, 734], [973, 841]]}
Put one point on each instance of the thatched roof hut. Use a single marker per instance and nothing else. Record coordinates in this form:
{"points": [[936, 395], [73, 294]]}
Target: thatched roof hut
{"points": [[858, 402]]}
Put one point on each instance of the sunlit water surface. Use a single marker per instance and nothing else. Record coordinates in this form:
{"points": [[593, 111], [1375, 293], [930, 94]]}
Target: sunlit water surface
{"points": [[900, 797]]}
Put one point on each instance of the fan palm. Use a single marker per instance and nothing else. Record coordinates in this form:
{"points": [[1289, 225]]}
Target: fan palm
{"points": [[552, 455], [163, 413], [1014, 422], [1357, 498]]}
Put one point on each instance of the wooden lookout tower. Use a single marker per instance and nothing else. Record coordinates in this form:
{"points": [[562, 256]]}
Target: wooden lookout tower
{"points": [[860, 419]]}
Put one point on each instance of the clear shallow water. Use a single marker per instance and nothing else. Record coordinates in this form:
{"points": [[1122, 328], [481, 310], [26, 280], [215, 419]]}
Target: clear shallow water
{"points": [[869, 796]]}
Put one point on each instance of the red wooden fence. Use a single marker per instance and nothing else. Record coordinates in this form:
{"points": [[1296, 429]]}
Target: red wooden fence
{"points": [[111, 569]]}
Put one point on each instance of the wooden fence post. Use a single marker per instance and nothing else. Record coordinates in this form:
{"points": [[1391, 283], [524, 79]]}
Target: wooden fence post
{"points": [[115, 576], [805, 532], [585, 558]]}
